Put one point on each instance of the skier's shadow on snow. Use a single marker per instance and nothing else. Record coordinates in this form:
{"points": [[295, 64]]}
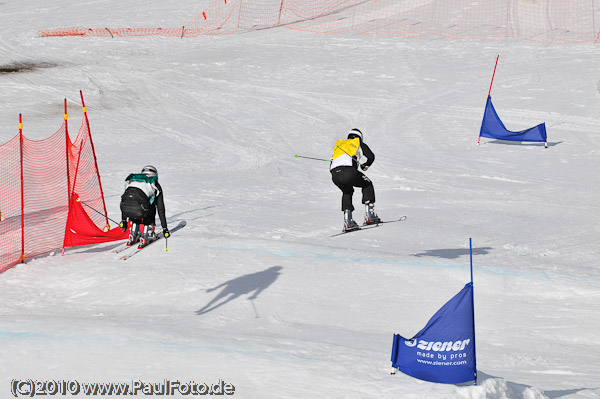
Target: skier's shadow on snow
{"points": [[453, 253], [236, 287]]}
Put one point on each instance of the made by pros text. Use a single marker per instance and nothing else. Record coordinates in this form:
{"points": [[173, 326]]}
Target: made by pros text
{"points": [[435, 350]]}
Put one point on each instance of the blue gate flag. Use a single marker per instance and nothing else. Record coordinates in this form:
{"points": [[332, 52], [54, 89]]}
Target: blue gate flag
{"points": [[444, 350], [493, 128]]}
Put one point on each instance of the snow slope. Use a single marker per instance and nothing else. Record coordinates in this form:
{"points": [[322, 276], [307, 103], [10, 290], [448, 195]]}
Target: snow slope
{"points": [[254, 291]]}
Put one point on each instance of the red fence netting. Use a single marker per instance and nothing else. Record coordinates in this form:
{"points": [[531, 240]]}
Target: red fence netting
{"points": [[38, 182], [11, 236], [45, 192], [547, 21]]}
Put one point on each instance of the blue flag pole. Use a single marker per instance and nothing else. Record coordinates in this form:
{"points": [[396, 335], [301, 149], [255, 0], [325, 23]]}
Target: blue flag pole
{"points": [[473, 308], [471, 257], [444, 350]]}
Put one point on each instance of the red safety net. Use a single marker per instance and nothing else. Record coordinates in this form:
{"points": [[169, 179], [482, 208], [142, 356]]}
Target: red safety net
{"points": [[11, 233], [38, 182], [548, 21], [81, 230]]}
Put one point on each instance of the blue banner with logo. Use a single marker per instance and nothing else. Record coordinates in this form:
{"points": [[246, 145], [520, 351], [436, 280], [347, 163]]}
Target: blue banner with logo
{"points": [[443, 351], [493, 128]]}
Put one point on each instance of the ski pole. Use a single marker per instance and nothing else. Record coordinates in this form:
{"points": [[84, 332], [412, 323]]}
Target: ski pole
{"points": [[316, 159], [79, 200], [343, 150]]}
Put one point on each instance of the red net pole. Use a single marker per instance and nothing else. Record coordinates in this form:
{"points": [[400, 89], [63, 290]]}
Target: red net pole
{"points": [[280, 10], [67, 142], [87, 122], [494, 74], [490, 91], [22, 190], [81, 144]]}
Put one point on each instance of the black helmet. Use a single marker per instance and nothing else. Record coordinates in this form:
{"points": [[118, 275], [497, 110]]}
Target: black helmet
{"points": [[149, 170], [355, 133]]}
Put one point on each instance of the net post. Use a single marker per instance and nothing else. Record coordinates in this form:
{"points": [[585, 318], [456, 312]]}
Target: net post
{"points": [[280, 11], [22, 259], [94, 153], [67, 143], [67, 158]]}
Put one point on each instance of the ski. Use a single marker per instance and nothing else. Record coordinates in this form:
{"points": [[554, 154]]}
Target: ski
{"points": [[369, 226], [159, 235], [120, 248]]}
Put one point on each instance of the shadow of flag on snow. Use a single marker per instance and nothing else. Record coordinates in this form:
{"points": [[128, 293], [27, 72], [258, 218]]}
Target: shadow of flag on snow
{"points": [[444, 350], [493, 128]]}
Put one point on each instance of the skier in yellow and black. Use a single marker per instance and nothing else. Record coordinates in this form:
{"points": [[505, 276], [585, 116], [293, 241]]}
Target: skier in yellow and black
{"points": [[142, 198], [345, 175]]}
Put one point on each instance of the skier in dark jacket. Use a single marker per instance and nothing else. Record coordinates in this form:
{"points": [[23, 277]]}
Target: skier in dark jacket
{"points": [[142, 198], [345, 175]]}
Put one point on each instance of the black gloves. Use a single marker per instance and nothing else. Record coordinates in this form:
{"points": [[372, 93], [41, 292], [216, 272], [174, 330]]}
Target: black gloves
{"points": [[364, 167], [123, 225], [166, 232]]}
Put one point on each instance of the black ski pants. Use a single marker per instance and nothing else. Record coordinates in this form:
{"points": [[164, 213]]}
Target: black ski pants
{"points": [[348, 177]]}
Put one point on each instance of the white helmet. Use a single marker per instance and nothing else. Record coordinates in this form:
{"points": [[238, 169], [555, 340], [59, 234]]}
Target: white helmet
{"points": [[355, 133], [149, 170]]}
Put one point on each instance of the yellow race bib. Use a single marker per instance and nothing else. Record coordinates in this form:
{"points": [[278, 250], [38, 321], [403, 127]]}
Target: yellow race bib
{"points": [[349, 147]]}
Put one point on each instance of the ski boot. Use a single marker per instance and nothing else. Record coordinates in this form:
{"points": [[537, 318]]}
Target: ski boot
{"points": [[134, 234], [370, 215], [148, 235], [349, 224]]}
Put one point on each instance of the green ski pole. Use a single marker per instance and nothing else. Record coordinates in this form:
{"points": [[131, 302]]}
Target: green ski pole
{"points": [[316, 159]]}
